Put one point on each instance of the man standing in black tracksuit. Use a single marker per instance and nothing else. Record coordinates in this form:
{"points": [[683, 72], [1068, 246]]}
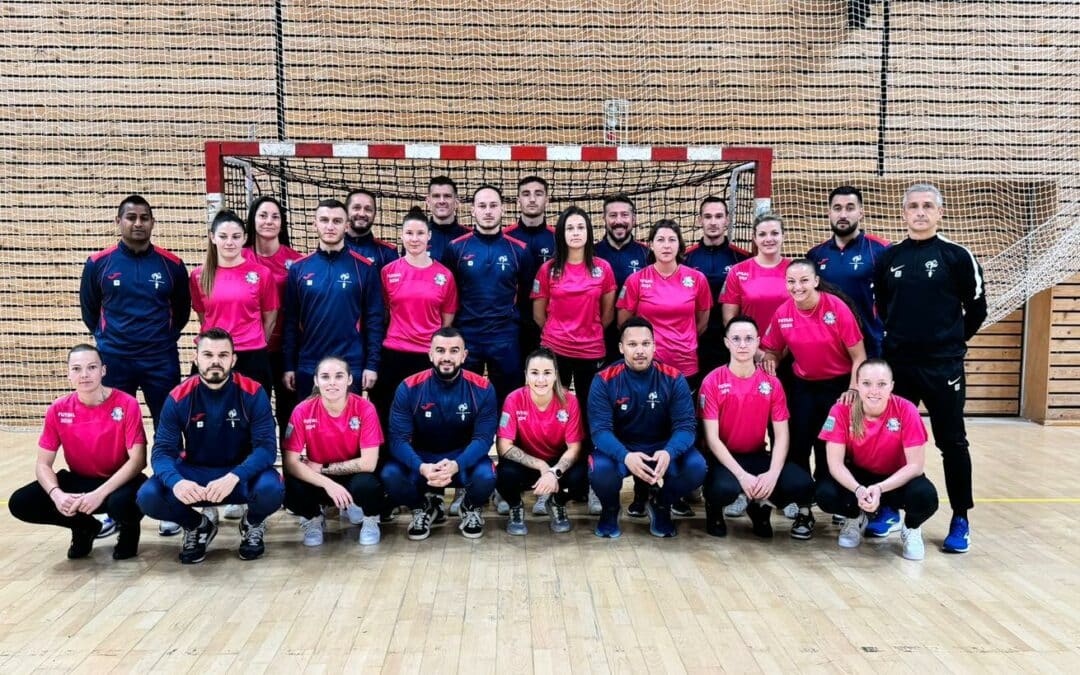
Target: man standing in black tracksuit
{"points": [[932, 300]]}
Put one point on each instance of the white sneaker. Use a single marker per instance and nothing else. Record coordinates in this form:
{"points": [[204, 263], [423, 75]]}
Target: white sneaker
{"points": [[911, 538], [502, 507], [234, 511], [313, 530], [211, 512], [370, 532], [790, 511], [852, 531], [455, 506], [736, 508], [354, 514], [595, 507], [167, 528], [540, 508]]}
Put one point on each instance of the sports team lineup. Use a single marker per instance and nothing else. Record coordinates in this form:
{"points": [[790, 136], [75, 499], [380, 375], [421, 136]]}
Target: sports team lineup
{"points": [[475, 364]]}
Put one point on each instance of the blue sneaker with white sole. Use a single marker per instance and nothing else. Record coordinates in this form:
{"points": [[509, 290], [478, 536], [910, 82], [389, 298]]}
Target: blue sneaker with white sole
{"points": [[884, 523], [608, 524], [959, 539]]}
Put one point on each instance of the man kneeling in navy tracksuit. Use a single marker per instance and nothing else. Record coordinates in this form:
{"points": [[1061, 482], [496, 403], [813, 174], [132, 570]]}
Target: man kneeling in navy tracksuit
{"points": [[216, 444], [442, 425], [641, 415]]}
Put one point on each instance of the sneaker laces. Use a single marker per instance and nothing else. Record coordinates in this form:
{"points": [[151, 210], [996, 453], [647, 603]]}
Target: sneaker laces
{"points": [[255, 533], [558, 511], [852, 527], [517, 513], [191, 538], [472, 518], [421, 520]]}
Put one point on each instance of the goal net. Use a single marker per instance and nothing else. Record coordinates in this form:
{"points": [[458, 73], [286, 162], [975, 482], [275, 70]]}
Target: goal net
{"points": [[663, 182], [103, 99]]}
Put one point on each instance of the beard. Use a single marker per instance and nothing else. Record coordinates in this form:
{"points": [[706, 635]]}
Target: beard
{"points": [[447, 376], [844, 230], [214, 375]]}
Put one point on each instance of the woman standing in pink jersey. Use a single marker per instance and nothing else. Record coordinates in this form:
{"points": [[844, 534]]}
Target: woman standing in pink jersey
{"points": [[268, 244], [756, 287], [238, 295]]}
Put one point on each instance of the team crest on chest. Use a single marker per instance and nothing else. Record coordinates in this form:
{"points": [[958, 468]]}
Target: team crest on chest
{"points": [[562, 416], [597, 273], [503, 262], [893, 424], [233, 417], [829, 318], [440, 279], [654, 398], [765, 388], [931, 267], [688, 281], [288, 264], [634, 264], [345, 279], [157, 279], [252, 277], [463, 411], [354, 423], [117, 414], [856, 260]]}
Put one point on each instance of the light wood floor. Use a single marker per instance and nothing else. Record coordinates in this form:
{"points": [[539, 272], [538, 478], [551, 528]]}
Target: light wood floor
{"points": [[572, 603]]}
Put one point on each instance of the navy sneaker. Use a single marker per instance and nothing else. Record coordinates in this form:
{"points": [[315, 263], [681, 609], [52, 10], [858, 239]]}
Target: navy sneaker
{"points": [[959, 538], [608, 524], [660, 524], [760, 523], [884, 523]]}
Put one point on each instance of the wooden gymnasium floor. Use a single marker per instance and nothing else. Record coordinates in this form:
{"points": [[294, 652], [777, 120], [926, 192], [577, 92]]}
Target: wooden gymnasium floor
{"points": [[573, 603]]}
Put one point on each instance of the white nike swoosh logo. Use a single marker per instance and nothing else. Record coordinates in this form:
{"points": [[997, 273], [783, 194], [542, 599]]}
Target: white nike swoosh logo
{"points": [[896, 269], [951, 382]]}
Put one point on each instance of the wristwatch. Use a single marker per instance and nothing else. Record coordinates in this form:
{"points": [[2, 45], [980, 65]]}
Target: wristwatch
{"points": [[557, 471]]}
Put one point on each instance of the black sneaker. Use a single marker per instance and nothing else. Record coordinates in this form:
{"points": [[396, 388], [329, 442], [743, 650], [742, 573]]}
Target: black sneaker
{"points": [[637, 508], [437, 508], [715, 525], [472, 521], [759, 519], [196, 540], [660, 524], [420, 527], [803, 527], [82, 540], [251, 539], [127, 542], [389, 513], [681, 508]]}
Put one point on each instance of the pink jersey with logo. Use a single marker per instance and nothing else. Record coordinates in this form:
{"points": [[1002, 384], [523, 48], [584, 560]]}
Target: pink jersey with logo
{"points": [[573, 325], [95, 439], [818, 339], [541, 433], [756, 290], [742, 407], [241, 295], [416, 299], [670, 304], [881, 449], [278, 264], [329, 439]]}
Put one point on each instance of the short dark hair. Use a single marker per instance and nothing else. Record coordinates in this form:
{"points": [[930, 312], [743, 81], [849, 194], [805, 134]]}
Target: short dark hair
{"points": [[215, 333], [533, 179], [621, 198], [133, 200], [487, 186], [361, 191], [712, 199], [442, 180], [635, 322], [448, 332], [741, 318], [330, 204], [846, 190], [83, 347]]}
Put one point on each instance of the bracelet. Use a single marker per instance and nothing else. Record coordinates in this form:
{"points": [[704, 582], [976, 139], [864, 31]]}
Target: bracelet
{"points": [[55, 487], [857, 489]]}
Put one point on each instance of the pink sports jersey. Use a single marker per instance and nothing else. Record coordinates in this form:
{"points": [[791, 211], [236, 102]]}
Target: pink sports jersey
{"points": [[241, 295], [742, 406], [328, 439], [756, 290], [542, 434], [95, 439], [818, 339], [279, 265], [573, 325], [881, 449], [670, 304], [416, 299]]}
